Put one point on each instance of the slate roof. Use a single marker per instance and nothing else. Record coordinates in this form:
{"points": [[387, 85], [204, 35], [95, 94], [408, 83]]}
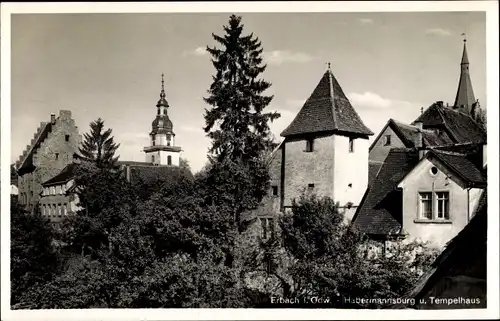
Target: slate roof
{"points": [[460, 127], [66, 174], [327, 109], [150, 173], [380, 212], [465, 94], [462, 165], [373, 169], [408, 135]]}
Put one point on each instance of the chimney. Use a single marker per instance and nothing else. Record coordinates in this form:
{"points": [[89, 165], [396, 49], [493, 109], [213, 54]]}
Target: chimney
{"points": [[419, 139], [52, 119]]}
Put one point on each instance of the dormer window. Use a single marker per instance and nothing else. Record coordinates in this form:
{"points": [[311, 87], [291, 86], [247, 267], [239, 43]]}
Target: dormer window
{"points": [[387, 140], [309, 145]]}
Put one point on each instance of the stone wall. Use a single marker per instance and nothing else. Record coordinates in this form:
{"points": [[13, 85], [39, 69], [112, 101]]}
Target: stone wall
{"points": [[53, 154]]}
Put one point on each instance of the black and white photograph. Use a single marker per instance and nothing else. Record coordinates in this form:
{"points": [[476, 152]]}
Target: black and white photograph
{"points": [[296, 161]]}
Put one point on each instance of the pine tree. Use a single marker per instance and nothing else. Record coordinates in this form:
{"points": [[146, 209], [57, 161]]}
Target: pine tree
{"points": [[99, 146], [236, 122]]}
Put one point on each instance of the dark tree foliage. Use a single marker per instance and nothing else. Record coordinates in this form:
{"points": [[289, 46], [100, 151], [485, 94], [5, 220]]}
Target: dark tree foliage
{"points": [[329, 259], [236, 122], [98, 146], [33, 258]]}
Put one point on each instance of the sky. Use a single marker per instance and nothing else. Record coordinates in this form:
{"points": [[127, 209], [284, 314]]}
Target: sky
{"points": [[110, 65]]}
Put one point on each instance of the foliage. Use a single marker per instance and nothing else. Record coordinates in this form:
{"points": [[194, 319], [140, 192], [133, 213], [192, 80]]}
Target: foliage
{"points": [[481, 118], [33, 256], [236, 122], [329, 259], [98, 146]]}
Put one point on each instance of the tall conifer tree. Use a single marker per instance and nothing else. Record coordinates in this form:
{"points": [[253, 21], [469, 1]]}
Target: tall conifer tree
{"points": [[99, 146], [236, 121]]}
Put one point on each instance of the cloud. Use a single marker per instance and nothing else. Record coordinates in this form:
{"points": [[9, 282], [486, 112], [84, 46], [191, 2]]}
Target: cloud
{"points": [[200, 51], [281, 123], [295, 102], [438, 32], [366, 21], [191, 129], [369, 100], [278, 57]]}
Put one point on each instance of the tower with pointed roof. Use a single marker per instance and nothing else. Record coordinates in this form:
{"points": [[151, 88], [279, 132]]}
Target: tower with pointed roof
{"points": [[465, 100], [324, 151], [162, 150]]}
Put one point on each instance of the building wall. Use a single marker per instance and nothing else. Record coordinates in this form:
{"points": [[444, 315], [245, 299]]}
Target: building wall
{"points": [[303, 168], [351, 170], [161, 157], [44, 158], [421, 180], [161, 140], [379, 151]]}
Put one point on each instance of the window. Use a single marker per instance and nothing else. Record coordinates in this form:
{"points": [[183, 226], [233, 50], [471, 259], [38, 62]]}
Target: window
{"points": [[387, 140], [152, 158], [275, 190], [443, 211], [65, 209], [267, 228], [66, 138], [310, 187], [310, 145], [434, 170], [169, 140], [57, 156], [153, 142], [435, 206], [426, 205], [169, 160], [351, 145]]}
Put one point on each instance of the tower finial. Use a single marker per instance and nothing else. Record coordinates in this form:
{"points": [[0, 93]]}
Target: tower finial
{"points": [[162, 95], [329, 66], [421, 110]]}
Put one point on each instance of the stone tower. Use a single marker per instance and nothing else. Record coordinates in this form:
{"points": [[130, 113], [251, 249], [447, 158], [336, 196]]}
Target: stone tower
{"points": [[324, 151], [465, 100], [162, 150]]}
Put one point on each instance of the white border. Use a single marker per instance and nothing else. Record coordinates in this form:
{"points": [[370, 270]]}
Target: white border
{"points": [[491, 7]]}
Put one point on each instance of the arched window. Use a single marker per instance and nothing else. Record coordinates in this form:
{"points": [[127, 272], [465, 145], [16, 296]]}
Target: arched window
{"points": [[169, 160], [152, 158]]}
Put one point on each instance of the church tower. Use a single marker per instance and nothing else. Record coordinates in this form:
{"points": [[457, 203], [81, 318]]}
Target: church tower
{"points": [[162, 150], [465, 100]]}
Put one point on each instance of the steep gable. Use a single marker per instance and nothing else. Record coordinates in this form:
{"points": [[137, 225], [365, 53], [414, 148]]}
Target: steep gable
{"points": [[381, 209], [25, 162], [327, 109]]}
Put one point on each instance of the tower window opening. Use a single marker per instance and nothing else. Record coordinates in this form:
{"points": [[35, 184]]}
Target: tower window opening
{"points": [[169, 160]]}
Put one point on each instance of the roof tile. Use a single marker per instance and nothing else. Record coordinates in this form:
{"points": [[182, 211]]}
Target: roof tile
{"points": [[327, 109]]}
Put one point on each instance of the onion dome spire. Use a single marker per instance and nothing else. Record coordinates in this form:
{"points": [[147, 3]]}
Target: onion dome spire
{"points": [[162, 102]]}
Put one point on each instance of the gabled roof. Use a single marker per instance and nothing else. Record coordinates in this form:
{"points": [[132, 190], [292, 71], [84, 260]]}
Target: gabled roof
{"points": [[461, 165], [408, 134], [460, 127], [66, 174], [326, 110], [25, 163], [380, 212]]}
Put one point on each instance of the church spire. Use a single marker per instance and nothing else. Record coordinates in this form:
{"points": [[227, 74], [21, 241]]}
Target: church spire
{"points": [[465, 99], [162, 102]]}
